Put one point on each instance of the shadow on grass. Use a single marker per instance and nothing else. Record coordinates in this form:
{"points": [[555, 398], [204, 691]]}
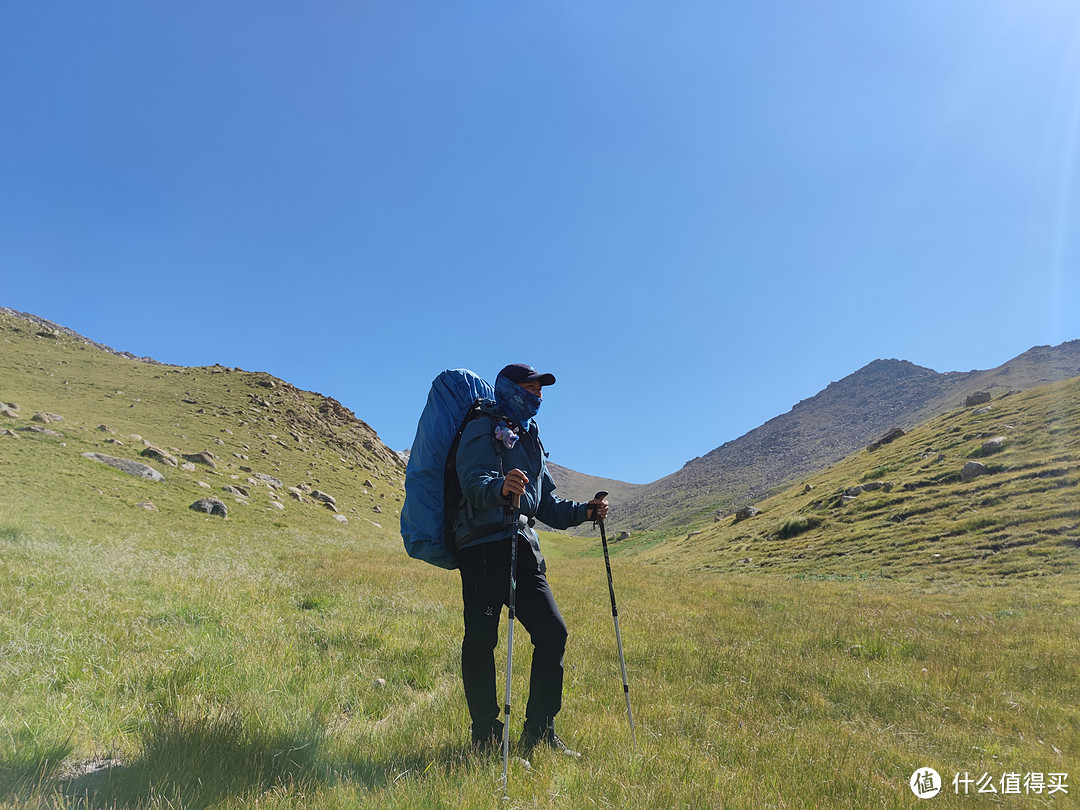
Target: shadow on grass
{"points": [[198, 763], [31, 765]]}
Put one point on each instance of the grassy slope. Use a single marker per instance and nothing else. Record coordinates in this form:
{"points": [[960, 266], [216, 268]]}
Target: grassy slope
{"points": [[295, 436], [1022, 520], [169, 659]]}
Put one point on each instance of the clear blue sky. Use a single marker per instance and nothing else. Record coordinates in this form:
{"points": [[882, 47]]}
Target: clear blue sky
{"points": [[695, 213]]}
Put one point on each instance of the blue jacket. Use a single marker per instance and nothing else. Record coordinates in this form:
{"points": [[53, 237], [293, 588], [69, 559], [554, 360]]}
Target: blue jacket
{"points": [[481, 469]]}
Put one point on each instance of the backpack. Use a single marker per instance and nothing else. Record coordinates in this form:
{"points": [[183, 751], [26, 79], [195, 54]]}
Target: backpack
{"points": [[432, 490]]}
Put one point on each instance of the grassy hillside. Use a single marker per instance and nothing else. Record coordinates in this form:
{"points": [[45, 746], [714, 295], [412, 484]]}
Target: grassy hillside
{"points": [[825, 428], [283, 659], [251, 423], [914, 515]]}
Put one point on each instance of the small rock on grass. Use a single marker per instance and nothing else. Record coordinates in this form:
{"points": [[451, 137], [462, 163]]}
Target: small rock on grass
{"points": [[212, 506]]}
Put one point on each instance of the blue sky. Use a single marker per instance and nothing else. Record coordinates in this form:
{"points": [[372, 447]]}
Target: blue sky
{"points": [[695, 213]]}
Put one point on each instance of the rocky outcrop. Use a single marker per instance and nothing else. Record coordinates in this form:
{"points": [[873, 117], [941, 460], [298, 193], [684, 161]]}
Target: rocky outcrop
{"points": [[207, 458], [125, 465], [746, 513], [211, 506], [269, 480], [973, 470], [891, 436], [158, 454]]}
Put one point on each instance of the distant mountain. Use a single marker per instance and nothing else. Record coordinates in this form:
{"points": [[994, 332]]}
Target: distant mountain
{"points": [[580, 487], [823, 429]]}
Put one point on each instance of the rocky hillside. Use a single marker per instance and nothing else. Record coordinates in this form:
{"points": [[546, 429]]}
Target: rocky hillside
{"points": [[98, 435], [819, 431], [984, 492], [580, 487]]}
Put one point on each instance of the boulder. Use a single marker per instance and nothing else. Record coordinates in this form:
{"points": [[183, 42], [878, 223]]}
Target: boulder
{"points": [[41, 431], [982, 411], [212, 506], [46, 418], [268, 480], [891, 436], [746, 513], [341, 519], [8, 412], [994, 445], [322, 496], [973, 470], [124, 465], [147, 505], [239, 491], [207, 458], [158, 454], [11, 433], [978, 398]]}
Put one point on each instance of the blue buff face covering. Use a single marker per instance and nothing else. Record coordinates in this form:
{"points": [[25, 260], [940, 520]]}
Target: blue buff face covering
{"points": [[519, 404]]}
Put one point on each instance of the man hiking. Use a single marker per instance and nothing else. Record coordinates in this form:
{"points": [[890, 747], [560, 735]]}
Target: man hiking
{"points": [[500, 457]]}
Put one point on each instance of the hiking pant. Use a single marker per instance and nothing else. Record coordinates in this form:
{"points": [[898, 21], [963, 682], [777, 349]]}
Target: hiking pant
{"points": [[485, 588]]}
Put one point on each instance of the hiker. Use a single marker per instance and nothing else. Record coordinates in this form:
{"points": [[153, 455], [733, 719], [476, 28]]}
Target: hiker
{"points": [[500, 457]]}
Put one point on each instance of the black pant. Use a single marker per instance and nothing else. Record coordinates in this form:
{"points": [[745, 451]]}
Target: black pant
{"points": [[485, 588]]}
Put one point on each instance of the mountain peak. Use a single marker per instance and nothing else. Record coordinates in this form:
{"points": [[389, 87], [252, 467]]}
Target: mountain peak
{"points": [[845, 416]]}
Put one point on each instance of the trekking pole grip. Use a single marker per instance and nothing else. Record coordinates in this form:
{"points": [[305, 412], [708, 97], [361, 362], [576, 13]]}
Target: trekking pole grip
{"points": [[597, 520]]}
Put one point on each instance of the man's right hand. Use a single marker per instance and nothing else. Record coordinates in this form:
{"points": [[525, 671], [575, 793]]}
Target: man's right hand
{"points": [[514, 483]]}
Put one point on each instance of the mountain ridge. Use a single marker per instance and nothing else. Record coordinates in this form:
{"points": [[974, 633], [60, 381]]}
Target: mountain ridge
{"points": [[820, 430]]}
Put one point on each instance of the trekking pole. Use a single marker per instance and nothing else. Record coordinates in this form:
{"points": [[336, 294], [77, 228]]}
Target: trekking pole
{"points": [[615, 616], [510, 642]]}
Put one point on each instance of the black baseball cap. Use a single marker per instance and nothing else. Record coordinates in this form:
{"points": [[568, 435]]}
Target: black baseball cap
{"points": [[521, 373]]}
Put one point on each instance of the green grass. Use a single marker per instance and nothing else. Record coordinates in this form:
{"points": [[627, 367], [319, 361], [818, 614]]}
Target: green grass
{"points": [[245, 672]]}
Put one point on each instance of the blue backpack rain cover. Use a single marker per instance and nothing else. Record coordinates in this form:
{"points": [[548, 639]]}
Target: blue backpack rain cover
{"points": [[452, 394]]}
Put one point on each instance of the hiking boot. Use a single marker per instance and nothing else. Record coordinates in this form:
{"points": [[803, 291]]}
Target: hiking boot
{"points": [[531, 737], [489, 741]]}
